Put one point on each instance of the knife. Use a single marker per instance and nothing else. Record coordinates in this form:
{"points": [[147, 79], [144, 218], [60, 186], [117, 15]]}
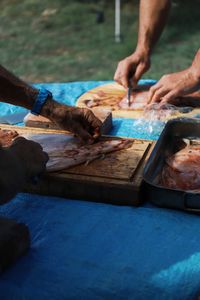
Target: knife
{"points": [[129, 95], [136, 88]]}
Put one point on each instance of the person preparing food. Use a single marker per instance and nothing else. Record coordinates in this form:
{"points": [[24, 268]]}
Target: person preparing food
{"points": [[152, 20], [22, 159]]}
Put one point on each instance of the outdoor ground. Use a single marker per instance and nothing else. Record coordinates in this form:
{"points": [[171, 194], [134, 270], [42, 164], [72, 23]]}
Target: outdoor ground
{"points": [[59, 41]]}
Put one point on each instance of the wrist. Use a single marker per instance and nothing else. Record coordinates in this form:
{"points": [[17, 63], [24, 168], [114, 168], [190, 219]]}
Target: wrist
{"points": [[40, 100], [143, 49], [53, 110]]}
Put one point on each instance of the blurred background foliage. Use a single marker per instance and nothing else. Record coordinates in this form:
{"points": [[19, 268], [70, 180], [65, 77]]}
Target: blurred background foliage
{"points": [[63, 40]]}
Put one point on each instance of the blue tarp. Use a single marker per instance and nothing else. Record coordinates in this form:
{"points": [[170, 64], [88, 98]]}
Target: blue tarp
{"points": [[83, 250]]}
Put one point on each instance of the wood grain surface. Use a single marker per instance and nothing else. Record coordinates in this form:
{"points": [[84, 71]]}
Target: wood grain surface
{"points": [[114, 179], [111, 94]]}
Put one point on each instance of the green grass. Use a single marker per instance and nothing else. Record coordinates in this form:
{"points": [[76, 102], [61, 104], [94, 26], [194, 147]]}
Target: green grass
{"points": [[68, 45]]}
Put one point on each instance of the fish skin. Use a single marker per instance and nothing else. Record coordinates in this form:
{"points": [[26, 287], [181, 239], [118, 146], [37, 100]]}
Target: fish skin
{"points": [[66, 151]]}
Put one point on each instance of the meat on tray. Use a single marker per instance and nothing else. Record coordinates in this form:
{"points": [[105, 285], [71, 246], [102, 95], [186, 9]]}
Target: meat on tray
{"points": [[66, 151], [182, 169]]}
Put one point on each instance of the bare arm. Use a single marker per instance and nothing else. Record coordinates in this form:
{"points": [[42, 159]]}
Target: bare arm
{"points": [[152, 19], [78, 120]]}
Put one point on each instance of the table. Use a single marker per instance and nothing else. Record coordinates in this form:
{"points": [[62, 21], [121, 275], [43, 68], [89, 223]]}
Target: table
{"points": [[83, 250]]}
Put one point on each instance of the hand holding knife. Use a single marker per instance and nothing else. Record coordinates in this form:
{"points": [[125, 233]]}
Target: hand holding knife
{"points": [[135, 88]]}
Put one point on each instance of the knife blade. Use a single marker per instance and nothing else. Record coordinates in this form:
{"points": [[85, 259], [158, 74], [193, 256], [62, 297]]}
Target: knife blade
{"points": [[129, 96]]}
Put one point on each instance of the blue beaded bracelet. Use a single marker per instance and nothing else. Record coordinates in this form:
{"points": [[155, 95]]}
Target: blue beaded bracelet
{"points": [[40, 101]]}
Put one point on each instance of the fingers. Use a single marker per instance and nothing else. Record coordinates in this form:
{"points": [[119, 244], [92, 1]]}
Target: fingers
{"points": [[157, 96], [85, 124], [122, 74], [152, 92], [92, 125], [162, 96], [170, 86], [169, 97], [132, 68], [84, 135], [93, 121]]}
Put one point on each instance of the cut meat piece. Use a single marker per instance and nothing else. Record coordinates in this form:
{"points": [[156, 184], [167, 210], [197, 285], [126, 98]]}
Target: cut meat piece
{"points": [[185, 160], [107, 101], [182, 169], [66, 151], [117, 100], [138, 101], [7, 136], [180, 180]]}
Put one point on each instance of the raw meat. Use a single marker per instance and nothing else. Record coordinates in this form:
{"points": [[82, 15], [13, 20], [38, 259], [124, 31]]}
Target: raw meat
{"points": [[7, 136], [182, 169], [108, 101], [117, 100], [138, 101], [66, 151]]}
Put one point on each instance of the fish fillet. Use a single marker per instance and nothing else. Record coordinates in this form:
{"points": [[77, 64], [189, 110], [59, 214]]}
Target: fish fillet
{"points": [[66, 151]]}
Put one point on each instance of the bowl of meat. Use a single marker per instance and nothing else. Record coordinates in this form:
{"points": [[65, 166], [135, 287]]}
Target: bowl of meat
{"points": [[171, 177]]}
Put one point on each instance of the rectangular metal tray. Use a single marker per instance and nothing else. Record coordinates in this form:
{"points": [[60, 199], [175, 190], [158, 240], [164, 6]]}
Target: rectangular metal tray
{"points": [[151, 190]]}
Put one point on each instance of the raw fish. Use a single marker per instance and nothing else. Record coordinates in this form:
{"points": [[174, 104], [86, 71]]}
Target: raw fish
{"points": [[66, 151]]}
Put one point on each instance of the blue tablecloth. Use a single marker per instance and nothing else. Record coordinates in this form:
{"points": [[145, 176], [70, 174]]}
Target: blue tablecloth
{"points": [[83, 250]]}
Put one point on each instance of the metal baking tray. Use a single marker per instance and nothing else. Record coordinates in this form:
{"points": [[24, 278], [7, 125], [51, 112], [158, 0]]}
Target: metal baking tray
{"points": [[174, 131]]}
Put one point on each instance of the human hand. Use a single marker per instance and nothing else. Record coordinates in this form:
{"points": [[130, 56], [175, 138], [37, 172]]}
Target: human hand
{"points": [[132, 68], [80, 121], [32, 159], [171, 86], [174, 85]]}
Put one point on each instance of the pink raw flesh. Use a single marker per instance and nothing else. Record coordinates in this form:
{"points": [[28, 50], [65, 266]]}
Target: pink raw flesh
{"points": [[66, 151], [182, 169], [138, 101]]}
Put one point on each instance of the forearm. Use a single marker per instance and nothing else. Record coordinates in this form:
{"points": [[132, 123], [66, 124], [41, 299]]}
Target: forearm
{"points": [[80, 121], [153, 17], [15, 91]]}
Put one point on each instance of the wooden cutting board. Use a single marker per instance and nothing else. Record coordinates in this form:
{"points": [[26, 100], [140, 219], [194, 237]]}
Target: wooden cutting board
{"points": [[115, 179], [112, 93]]}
